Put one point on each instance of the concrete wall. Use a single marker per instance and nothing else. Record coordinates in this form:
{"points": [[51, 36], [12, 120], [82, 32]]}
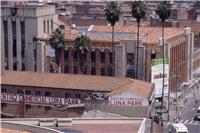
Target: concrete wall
{"points": [[130, 111]]}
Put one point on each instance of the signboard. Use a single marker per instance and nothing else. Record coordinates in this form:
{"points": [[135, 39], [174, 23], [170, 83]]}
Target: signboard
{"points": [[49, 51], [157, 76], [39, 99], [127, 99]]}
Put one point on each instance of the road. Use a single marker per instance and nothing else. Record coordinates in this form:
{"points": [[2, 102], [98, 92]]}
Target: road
{"points": [[188, 117]]}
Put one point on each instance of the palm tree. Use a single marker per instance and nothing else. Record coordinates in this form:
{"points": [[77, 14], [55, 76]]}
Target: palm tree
{"points": [[139, 9], [164, 11], [82, 46], [58, 42], [113, 12]]}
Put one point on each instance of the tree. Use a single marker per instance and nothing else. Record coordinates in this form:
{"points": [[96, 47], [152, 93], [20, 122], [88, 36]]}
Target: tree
{"points": [[139, 9], [163, 11], [113, 12], [58, 42], [82, 46]]}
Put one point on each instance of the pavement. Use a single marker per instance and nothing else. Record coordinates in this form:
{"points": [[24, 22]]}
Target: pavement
{"points": [[188, 114]]}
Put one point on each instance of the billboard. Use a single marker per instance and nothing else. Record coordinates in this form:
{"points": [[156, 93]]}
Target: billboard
{"points": [[50, 59], [157, 75], [39, 99]]}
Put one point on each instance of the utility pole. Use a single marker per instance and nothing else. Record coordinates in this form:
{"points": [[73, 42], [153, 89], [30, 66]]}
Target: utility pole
{"points": [[194, 77]]}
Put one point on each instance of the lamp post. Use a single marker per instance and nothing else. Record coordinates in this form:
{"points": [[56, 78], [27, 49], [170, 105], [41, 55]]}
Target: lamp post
{"points": [[177, 82]]}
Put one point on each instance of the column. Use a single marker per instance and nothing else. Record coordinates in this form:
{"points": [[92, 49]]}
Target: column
{"points": [[18, 39], [70, 59], [89, 63], [107, 61], [10, 44], [40, 56], [30, 57], [2, 46], [119, 60], [97, 63]]}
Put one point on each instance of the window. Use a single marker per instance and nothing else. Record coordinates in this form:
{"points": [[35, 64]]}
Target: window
{"points": [[3, 90], [51, 26], [23, 67], [75, 70], [102, 71], [19, 91], [93, 57], [3, 105], [14, 28], [68, 95], [110, 72], [14, 66], [77, 95], [22, 28], [5, 27], [47, 93], [24, 2], [28, 106], [85, 72], [14, 48], [28, 92], [57, 94], [130, 58], [35, 55], [66, 69], [44, 27], [35, 68], [75, 56], [23, 48], [47, 26], [93, 71], [130, 73], [110, 57], [47, 108], [20, 3], [39, 106], [6, 46], [153, 56], [102, 57], [66, 53], [37, 93]]}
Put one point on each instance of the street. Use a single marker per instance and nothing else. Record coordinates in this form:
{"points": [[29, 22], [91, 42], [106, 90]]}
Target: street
{"points": [[188, 115]]}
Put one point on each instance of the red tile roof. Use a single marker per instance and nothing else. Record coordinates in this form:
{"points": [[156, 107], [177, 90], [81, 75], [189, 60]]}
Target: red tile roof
{"points": [[76, 81]]}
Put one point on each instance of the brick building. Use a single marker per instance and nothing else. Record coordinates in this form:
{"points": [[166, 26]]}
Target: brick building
{"points": [[60, 95], [178, 47], [8, 2], [179, 13]]}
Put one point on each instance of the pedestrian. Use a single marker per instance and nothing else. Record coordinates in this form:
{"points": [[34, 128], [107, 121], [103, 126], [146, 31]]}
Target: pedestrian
{"points": [[184, 102], [174, 119], [177, 120], [182, 106], [186, 99]]}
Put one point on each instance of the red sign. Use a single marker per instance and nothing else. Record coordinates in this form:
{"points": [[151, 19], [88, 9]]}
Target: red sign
{"points": [[39, 99]]}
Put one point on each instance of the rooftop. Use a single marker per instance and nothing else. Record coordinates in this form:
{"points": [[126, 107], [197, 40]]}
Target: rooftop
{"points": [[77, 82]]}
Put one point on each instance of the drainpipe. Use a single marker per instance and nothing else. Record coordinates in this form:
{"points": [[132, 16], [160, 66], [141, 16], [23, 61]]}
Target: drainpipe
{"points": [[24, 103]]}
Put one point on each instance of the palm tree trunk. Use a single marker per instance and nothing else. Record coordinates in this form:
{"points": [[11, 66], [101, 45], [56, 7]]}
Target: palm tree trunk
{"points": [[163, 66], [62, 61], [82, 62], [137, 52], [58, 57], [113, 71]]}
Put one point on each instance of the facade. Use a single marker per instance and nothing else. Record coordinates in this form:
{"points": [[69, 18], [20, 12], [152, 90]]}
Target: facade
{"points": [[21, 25], [9, 2], [59, 95], [178, 47]]}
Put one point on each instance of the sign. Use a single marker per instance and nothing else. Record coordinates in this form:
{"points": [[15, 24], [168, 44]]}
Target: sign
{"points": [[39, 99], [127, 99], [157, 76]]}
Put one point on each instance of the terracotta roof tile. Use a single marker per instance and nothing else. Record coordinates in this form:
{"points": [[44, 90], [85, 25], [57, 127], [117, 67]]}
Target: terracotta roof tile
{"points": [[137, 87], [65, 81], [125, 8]]}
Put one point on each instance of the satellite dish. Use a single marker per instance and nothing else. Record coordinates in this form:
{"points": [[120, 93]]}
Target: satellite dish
{"points": [[73, 26], [62, 27]]}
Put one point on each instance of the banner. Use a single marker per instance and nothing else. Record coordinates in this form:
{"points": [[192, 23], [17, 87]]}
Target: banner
{"points": [[39, 99], [157, 76]]}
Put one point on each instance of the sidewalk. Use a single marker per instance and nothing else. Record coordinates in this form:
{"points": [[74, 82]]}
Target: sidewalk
{"points": [[172, 111]]}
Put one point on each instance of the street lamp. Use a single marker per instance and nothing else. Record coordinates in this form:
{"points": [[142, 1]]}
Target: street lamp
{"points": [[177, 82]]}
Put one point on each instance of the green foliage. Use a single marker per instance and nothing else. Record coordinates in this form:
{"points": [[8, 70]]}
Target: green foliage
{"points": [[69, 5], [113, 12], [57, 39], [196, 6], [139, 9], [164, 10], [82, 44], [36, 1]]}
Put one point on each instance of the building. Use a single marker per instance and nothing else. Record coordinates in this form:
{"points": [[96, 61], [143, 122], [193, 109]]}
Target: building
{"points": [[63, 95], [21, 25], [8, 2]]}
